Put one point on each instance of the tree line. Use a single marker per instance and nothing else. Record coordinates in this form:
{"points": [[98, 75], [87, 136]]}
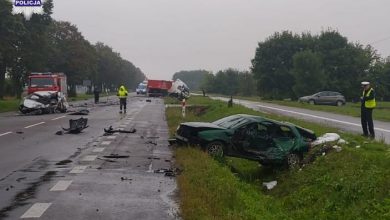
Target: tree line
{"points": [[43, 44], [287, 66]]}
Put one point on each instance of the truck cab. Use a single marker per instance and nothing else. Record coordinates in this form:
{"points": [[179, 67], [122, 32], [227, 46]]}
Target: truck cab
{"points": [[53, 82]]}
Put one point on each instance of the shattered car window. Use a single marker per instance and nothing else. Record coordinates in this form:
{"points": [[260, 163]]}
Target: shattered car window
{"points": [[230, 122], [286, 132]]}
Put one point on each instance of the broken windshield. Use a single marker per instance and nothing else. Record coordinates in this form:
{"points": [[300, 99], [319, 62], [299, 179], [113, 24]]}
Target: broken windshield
{"points": [[230, 122]]}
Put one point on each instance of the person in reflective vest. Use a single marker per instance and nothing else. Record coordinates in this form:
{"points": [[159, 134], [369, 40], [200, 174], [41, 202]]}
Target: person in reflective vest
{"points": [[122, 94], [368, 104]]}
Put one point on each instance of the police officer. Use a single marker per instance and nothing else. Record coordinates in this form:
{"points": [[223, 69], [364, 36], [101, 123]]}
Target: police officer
{"points": [[96, 92], [122, 94], [368, 104]]}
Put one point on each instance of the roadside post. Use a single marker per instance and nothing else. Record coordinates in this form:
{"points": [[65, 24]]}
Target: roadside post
{"points": [[183, 108]]}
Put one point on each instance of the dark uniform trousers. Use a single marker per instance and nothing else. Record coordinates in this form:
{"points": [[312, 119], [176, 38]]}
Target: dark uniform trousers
{"points": [[122, 102], [366, 116]]}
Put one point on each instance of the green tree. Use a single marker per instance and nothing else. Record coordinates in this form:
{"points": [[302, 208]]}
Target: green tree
{"points": [[71, 54], [113, 71], [247, 84], [208, 83], [11, 35], [342, 64], [31, 46], [272, 64], [308, 73]]}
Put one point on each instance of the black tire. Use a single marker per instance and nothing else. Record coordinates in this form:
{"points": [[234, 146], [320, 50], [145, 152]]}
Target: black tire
{"points": [[339, 103], [312, 102], [215, 149], [293, 160]]}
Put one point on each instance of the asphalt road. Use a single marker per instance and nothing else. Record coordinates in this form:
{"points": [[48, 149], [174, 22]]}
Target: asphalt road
{"points": [[88, 175], [342, 122]]}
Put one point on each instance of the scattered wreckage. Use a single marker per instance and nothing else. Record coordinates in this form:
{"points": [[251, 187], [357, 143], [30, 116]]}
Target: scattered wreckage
{"points": [[110, 130], [44, 102], [76, 125], [251, 137]]}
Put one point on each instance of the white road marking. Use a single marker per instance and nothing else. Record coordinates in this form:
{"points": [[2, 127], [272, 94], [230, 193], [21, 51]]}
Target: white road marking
{"points": [[98, 149], [319, 117], [36, 210], [61, 185], [89, 158], [106, 143], [35, 124], [150, 168], [78, 169], [9, 132], [111, 137], [58, 118]]}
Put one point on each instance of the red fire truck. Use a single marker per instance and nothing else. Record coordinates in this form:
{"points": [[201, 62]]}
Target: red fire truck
{"points": [[55, 82]]}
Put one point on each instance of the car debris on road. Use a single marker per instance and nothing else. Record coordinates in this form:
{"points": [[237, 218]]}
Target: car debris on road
{"points": [[110, 130], [76, 125], [80, 112], [172, 172]]}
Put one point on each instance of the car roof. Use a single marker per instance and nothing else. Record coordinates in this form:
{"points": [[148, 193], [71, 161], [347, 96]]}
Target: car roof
{"points": [[255, 118]]}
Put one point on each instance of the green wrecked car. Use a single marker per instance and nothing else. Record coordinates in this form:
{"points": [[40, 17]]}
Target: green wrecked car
{"points": [[251, 137]]}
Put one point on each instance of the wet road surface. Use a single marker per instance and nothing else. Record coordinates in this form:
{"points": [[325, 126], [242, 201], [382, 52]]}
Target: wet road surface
{"points": [[88, 175], [343, 122]]}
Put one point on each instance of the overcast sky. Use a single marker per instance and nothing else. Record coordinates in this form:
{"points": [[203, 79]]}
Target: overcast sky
{"points": [[165, 36]]}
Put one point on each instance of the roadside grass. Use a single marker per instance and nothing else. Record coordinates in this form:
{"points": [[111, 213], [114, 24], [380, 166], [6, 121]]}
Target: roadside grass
{"points": [[381, 112], [351, 184], [9, 104]]}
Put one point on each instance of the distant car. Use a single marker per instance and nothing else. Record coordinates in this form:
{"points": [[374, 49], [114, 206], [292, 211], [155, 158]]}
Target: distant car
{"points": [[251, 137], [324, 98], [141, 89]]}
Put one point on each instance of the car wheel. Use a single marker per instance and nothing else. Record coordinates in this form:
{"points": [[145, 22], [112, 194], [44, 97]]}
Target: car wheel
{"points": [[312, 102], [215, 149], [339, 103], [293, 160]]}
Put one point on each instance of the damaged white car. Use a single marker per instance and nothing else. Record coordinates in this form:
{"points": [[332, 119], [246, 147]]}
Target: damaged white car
{"points": [[44, 102]]}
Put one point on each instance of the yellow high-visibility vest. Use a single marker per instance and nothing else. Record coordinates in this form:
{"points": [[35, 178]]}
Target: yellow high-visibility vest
{"points": [[122, 93], [369, 103]]}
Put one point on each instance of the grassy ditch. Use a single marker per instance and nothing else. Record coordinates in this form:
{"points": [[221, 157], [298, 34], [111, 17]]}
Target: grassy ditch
{"points": [[9, 104], [381, 112], [351, 184]]}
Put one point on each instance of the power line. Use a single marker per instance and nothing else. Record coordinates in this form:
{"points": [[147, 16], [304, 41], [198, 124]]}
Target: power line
{"points": [[378, 41]]}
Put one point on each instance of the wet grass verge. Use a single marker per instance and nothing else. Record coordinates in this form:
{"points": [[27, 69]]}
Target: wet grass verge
{"points": [[351, 184]]}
